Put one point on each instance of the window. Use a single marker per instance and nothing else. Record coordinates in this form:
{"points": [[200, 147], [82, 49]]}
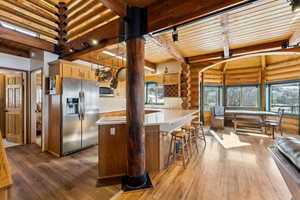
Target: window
{"points": [[284, 96], [244, 96], [154, 93], [19, 29], [212, 97]]}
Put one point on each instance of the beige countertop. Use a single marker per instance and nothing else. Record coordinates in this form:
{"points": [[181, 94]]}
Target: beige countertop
{"points": [[163, 117]]}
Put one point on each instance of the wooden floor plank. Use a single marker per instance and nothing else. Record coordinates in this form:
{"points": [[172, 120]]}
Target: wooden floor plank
{"points": [[41, 176], [240, 173]]}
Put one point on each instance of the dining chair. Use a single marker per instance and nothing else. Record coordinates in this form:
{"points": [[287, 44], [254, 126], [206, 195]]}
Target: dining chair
{"points": [[217, 117], [275, 124]]}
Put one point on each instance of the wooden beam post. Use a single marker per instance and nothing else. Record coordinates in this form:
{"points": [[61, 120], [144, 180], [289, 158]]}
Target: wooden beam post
{"points": [[262, 83], [61, 26], [136, 172]]}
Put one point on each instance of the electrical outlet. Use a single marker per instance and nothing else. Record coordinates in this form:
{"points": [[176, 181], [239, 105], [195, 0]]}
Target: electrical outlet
{"points": [[112, 131]]}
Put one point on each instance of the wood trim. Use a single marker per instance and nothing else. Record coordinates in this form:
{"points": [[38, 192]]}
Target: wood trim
{"points": [[243, 50], [118, 7], [14, 51], [26, 40]]}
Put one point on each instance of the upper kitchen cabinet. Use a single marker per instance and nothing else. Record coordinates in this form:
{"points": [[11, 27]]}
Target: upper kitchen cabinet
{"points": [[66, 69], [165, 79]]}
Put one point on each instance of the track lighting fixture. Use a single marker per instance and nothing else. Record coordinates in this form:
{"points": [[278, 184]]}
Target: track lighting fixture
{"points": [[175, 35], [295, 4]]}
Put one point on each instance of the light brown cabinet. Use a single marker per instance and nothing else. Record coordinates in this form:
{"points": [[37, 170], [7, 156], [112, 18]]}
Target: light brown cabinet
{"points": [[66, 69], [165, 79]]}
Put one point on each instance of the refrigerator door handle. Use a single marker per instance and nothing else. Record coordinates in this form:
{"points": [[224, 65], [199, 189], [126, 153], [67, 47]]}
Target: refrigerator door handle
{"points": [[83, 105], [80, 106]]}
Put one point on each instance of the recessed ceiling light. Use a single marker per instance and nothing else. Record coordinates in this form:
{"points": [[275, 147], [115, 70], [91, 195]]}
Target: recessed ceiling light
{"points": [[95, 42]]}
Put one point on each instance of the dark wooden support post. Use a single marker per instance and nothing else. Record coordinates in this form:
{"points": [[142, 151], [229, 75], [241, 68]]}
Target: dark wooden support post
{"points": [[202, 97], [61, 28], [137, 177]]}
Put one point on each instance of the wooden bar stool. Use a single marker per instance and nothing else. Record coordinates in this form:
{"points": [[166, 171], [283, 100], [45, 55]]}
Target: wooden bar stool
{"points": [[179, 147], [199, 126], [192, 137]]}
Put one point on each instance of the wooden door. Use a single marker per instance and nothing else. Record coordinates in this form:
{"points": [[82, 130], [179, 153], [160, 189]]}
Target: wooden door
{"points": [[14, 108], [2, 105]]}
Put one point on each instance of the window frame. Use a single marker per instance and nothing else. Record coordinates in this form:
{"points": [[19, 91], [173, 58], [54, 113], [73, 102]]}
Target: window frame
{"points": [[220, 100], [146, 93], [268, 96], [258, 96]]}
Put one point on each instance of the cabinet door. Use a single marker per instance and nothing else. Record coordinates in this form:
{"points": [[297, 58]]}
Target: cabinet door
{"points": [[171, 79], [85, 72], [76, 73], [67, 71]]}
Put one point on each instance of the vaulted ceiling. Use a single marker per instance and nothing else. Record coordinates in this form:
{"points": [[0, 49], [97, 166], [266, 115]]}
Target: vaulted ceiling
{"points": [[259, 22]]}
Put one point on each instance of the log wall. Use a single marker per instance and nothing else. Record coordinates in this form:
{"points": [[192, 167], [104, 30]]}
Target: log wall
{"points": [[255, 70]]}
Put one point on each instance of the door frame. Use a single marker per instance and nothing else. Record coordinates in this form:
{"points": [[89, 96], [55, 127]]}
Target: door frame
{"points": [[26, 116], [32, 133]]}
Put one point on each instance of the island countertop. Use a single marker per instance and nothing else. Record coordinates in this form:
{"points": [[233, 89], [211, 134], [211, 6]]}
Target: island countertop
{"points": [[155, 117]]}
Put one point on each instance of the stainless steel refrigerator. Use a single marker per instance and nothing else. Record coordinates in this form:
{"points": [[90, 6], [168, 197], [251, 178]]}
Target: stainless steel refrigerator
{"points": [[80, 109]]}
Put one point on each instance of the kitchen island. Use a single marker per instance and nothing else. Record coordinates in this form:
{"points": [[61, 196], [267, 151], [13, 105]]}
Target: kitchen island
{"points": [[113, 134]]}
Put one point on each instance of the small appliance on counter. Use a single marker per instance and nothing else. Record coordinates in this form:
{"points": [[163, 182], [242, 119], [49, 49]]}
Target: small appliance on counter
{"points": [[106, 92]]}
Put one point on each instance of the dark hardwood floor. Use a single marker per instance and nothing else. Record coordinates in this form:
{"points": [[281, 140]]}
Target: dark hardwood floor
{"points": [[41, 176]]}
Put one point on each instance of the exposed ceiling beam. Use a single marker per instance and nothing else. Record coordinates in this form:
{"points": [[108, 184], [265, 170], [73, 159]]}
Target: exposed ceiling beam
{"points": [[225, 35], [37, 12], [169, 47], [105, 35], [50, 2], [84, 18], [72, 10], [82, 11], [99, 20], [244, 50], [118, 7], [120, 51], [70, 3], [42, 5], [166, 14], [211, 63], [27, 17], [26, 40], [13, 51], [27, 26]]}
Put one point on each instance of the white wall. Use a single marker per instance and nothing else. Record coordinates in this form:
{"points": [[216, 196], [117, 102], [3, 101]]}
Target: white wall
{"points": [[14, 62]]}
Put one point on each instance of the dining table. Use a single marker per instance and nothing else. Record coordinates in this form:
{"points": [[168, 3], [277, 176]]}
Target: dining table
{"points": [[254, 118]]}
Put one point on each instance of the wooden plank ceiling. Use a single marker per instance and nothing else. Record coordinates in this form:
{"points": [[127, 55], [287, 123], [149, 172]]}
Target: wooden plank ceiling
{"points": [[41, 16], [263, 22], [258, 23]]}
